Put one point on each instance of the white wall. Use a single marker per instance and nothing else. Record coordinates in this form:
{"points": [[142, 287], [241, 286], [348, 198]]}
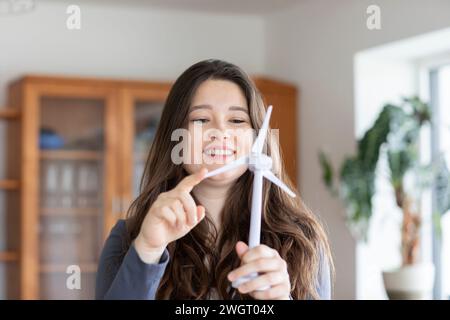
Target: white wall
{"points": [[313, 45], [125, 41]]}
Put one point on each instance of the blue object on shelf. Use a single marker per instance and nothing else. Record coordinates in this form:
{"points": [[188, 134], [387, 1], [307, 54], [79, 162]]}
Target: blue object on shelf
{"points": [[49, 139]]}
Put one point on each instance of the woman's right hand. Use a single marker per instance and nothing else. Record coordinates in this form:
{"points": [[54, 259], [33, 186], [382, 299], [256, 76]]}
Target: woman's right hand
{"points": [[172, 215]]}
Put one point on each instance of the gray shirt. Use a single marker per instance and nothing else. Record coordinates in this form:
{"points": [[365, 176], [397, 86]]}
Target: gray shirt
{"points": [[131, 278]]}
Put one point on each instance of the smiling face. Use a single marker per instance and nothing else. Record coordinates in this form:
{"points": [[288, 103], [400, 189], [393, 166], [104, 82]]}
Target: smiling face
{"points": [[219, 112]]}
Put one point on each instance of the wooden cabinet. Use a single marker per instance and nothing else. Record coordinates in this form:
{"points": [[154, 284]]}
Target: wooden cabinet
{"points": [[66, 194], [76, 153], [283, 97]]}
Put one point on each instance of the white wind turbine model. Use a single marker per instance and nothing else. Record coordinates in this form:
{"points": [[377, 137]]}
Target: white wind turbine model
{"points": [[261, 165]]}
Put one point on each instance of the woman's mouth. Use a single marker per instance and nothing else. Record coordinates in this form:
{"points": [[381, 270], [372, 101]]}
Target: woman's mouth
{"points": [[220, 153]]}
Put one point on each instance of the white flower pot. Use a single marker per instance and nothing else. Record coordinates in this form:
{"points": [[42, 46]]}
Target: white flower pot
{"points": [[412, 282]]}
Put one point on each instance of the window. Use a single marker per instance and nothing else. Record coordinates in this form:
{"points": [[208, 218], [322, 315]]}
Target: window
{"points": [[439, 80]]}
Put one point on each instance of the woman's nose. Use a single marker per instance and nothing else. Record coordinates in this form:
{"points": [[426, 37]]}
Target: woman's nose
{"points": [[219, 134]]}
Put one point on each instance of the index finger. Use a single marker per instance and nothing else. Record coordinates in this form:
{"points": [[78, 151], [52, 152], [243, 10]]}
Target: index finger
{"points": [[261, 251], [189, 182]]}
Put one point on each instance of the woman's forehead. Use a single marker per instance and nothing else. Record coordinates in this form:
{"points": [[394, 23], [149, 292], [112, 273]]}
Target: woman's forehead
{"points": [[219, 95]]}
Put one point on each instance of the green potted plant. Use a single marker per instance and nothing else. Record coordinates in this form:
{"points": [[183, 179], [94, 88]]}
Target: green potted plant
{"points": [[394, 134]]}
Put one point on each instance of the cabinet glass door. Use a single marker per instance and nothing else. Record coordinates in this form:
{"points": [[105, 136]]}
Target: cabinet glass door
{"points": [[146, 118], [71, 190]]}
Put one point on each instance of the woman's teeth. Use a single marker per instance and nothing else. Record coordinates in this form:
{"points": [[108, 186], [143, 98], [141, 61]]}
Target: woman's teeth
{"points": [[219, 152]]}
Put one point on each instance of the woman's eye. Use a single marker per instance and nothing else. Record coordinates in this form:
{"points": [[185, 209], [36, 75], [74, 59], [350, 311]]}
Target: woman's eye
{"points": [[200, 121], [237, 121]]}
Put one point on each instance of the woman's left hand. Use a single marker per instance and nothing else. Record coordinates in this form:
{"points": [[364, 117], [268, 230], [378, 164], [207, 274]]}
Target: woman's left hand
{"points": [[272, 269]]}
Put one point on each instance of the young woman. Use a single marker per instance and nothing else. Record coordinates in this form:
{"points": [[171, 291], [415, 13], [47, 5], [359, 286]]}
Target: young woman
{"points": [[185, 236]]}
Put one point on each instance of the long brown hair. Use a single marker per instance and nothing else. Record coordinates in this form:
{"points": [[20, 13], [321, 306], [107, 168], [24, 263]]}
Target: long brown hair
{"points": [[202, 258]]}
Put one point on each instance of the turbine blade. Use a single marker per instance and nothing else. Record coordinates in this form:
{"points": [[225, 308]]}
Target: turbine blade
{"points": [[229, 166], [270, 176], [259, 142]]}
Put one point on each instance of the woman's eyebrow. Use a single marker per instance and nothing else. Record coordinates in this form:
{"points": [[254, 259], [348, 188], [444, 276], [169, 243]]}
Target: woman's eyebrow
{"points": [[238, 108], [202, 106], [207, 106]]}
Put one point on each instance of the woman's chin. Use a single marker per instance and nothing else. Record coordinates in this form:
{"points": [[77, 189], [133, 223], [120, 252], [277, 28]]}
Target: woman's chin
{"points": [[228, 176], [222, 177]]}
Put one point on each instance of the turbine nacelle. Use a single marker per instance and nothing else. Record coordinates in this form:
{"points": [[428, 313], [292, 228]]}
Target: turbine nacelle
{"points": [[259, 161]]}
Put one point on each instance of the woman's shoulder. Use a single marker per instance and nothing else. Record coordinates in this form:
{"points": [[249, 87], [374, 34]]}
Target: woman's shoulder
{"points": [[119, 228], [117, 238]]}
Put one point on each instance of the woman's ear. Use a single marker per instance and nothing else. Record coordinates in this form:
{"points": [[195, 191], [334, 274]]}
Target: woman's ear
{"points": [[241, 249]]}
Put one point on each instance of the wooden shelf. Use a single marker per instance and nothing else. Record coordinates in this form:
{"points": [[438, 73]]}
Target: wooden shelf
{"points": [[62, 267], [70, 211], [71, 155], [9, 113], [9, 184], [8, 256]]}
